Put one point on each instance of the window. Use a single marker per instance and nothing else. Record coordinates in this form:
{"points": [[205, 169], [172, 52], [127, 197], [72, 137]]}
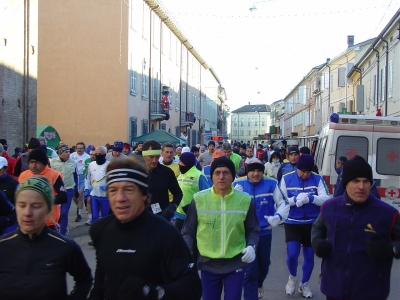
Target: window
{"points": [[235, 122], [341, 77], [262, 122], [177, 131], [235, 132], [248, 121], [331, 83], [145, 128], [249, 132], [133, 83], [255, 132], [164, 126], [390, 79], [146, 22], [241, 132], [241, 122], [155, 87], [144, 80], [189, 103], [350, 146], [383, 87], [133, 131], [375, 90], [302, 94], [321, 152], [387, 156], [194, 107]]}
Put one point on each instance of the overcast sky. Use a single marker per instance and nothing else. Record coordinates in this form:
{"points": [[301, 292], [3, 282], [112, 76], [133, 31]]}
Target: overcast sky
{"points": [[260, 56]]}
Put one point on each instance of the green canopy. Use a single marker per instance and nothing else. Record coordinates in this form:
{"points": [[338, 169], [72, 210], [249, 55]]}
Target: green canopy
{"points": [[160, 136], [49, 133]]}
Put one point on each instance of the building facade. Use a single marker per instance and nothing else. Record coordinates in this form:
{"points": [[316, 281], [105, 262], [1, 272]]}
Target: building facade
{"points": [[375, 74], [98, 72], [250, 122]]}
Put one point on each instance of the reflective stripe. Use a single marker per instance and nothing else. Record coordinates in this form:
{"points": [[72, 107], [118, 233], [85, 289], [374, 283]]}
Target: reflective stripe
{"points": [[263, 195], [302, 188], [188, 180], [222, 212]]}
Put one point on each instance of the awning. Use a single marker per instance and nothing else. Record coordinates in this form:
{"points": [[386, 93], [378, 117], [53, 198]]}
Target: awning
{"points": [[160, 136], [49, 133]]}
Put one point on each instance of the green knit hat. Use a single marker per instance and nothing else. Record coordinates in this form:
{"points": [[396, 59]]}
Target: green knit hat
{"points": [[38, 184]]}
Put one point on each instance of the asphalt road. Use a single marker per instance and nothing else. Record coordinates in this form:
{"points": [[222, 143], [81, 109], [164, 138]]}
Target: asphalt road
{"points": [[274, 285]]}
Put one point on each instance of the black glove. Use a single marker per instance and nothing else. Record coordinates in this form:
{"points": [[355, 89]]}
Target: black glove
{"points": [[138, 289], [378, 249], [169, 211], [76, 194], [322, 247]]}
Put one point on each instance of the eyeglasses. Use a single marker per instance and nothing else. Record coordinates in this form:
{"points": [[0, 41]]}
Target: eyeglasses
{"points": [[224, 173]]}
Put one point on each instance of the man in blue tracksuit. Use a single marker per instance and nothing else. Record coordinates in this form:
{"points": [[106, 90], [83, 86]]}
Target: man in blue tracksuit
{"points": [[290, 166], [357, 235], [265, 195], [305, 191]]}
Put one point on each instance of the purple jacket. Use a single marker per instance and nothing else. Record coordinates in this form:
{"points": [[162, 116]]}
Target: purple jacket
{"points": [[348, 272]]}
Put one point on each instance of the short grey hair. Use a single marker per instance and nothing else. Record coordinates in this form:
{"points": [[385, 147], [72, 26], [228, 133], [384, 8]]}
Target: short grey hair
{"points": [[103, 149], [226, 146]]}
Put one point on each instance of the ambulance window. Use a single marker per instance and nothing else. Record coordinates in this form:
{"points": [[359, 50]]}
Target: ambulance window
{"points": [[351, 146], [388, 157], [321, 152]]}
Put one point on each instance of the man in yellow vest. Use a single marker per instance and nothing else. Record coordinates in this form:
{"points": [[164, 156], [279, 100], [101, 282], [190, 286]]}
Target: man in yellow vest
{"points": [[224, 223], [191, 181], [235, 158]]}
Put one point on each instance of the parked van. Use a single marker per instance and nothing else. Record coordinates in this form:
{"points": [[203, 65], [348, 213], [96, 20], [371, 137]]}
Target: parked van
{"points": [[376, 139]]}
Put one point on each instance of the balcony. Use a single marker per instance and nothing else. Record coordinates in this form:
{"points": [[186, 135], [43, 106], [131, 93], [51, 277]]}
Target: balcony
{"points": [[159, 110], [187, 118]]}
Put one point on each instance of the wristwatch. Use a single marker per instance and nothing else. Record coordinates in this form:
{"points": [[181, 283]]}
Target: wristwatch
{"points": [[160, 292]]}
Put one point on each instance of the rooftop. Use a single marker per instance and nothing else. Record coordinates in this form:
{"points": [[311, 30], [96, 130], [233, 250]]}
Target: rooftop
{"points": [[253, 108]]}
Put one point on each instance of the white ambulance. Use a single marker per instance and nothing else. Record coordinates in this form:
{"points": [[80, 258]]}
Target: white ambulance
{"points": [[376, 139]]}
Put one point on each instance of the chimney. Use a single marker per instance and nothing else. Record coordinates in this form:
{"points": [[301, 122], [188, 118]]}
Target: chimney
{"points": [[350, 41], [328, 60], [249, 102]]}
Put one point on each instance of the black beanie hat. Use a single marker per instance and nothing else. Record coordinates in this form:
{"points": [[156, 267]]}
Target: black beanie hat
{"points": [[223, 162], [33, 143], [354, 168], [39, 155], [305, 162]]}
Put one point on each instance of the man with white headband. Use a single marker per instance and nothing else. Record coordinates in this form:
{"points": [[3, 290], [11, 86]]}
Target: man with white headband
{"points": [[161, 180], [139, 255]]}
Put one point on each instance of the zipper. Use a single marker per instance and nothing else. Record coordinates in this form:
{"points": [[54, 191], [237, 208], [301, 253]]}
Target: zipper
{"points": [[223, 227]]}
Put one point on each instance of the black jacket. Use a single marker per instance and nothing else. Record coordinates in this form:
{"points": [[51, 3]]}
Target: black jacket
{"points": [[162, 179], [36, 268], [148, 247]]}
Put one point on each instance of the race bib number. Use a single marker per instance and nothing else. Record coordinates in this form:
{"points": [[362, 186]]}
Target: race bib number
{"points": [[156, 208]]}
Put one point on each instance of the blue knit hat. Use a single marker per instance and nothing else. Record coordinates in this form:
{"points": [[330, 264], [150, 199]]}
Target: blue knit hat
{"points": [[305, 162], [188, 159], [118, 145]]}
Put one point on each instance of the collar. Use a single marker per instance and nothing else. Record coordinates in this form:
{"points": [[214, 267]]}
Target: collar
{"points": [[136, 222], [218, 196], [4, 176], [35, 237], [350, 202]]}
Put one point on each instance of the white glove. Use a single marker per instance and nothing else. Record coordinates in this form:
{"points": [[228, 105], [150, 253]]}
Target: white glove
{"points": [[272, 220], [249, 254], [238, 187], [301, 199]]}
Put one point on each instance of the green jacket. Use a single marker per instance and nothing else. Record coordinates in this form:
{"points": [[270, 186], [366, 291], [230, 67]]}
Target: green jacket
{"points": [[221, 230], [67, 169]]}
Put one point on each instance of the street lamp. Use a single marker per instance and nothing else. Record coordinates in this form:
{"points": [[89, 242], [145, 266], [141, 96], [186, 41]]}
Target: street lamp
{"points": [[254, 7]]}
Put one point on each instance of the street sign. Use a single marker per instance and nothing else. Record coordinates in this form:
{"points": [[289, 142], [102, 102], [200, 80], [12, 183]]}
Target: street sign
{"points": [[217, 138]]}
